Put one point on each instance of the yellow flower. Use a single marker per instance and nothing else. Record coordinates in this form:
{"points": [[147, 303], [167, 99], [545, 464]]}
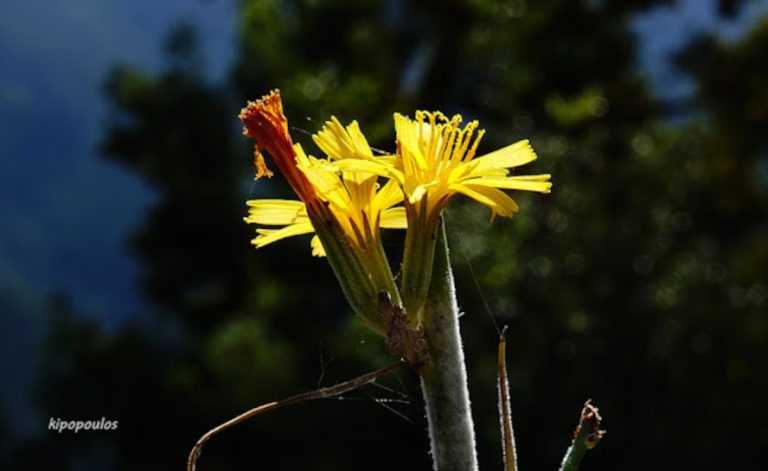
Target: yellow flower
{"points": [[437, 161], [352, 198], [359, 209]]}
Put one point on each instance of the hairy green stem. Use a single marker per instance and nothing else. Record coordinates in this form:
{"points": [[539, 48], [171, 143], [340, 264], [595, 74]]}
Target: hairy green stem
{"points": [[443, 375]]}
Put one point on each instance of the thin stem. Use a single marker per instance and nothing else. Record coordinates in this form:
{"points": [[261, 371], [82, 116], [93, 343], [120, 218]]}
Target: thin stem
{"points": [[505, 411], [587, 436], [443, 375], [321, 393]]}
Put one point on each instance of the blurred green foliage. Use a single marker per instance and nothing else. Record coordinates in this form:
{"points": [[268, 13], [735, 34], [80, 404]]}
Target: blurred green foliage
{"points": [[639, 282]]}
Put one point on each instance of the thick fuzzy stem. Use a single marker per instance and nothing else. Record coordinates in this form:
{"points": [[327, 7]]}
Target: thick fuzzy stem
{"points": [[443, 375]]}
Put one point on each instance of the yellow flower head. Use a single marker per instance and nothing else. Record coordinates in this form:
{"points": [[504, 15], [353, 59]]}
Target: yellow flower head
{"points": [[354, 199], [438, 161], [360, 216]]}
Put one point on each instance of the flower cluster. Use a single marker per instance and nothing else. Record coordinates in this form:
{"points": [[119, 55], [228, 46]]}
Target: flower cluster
{"points": [[347, 197]]}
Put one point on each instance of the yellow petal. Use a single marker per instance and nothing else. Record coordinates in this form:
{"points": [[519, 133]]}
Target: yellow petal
{"points": [[538, 183], [301, 156], [340, 143], [391, 160], [267, 236], [409, 144], [326, 182], [380, 166], [416, 188], [394, 218], [499, 202], [362, 194], [317, 247], [272, 212], [389, 195], [514, 155]]}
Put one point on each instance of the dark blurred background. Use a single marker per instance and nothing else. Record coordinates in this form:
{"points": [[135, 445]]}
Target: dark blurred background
{"points": [[129, 290]]}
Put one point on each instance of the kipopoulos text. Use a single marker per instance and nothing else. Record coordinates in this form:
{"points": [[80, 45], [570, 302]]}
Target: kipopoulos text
{"points": [[76, 426]]}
